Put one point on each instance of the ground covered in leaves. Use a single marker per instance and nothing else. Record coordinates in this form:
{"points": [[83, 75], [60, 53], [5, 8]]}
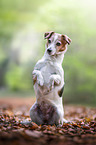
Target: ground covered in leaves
{"points": [[81, 129]]}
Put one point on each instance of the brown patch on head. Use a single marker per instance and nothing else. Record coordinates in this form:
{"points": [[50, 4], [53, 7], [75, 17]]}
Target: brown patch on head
{"points": [[67, 39], [63, 40], [47, 35]]}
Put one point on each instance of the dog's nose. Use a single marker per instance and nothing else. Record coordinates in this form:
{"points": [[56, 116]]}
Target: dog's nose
{"points": [[49, 50]]}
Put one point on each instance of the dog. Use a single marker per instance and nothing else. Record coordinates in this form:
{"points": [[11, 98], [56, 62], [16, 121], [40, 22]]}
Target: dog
{"points": [[48, 80]]}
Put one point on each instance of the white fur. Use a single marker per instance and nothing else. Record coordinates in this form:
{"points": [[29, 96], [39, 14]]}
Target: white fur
{"points": [[49, 76]]}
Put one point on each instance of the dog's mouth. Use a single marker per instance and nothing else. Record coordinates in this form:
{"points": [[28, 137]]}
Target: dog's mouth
{"points": [[55, 54], [52, 54]]}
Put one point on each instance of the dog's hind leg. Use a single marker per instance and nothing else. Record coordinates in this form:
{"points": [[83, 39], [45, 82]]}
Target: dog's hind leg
{"points": [[35, 114], [65, 121]]}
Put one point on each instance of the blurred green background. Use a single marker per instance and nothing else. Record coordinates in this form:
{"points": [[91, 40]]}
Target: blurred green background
{"points": [[22, 25]]}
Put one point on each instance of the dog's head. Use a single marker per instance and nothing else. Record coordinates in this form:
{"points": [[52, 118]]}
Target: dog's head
{"points": [[56, 43]]}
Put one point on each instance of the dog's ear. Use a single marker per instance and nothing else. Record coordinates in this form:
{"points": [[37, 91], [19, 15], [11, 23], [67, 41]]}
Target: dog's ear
{"points": [[47, 35], [67, 39]]}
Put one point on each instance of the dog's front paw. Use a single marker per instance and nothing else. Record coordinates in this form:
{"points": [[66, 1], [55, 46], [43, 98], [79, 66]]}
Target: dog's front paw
{"points": [[37, 77], [40, 81], [57, 81], [54, 80]]}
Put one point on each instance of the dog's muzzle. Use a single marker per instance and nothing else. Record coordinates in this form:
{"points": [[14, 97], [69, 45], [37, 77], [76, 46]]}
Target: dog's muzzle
{"points": [[49, 50]]}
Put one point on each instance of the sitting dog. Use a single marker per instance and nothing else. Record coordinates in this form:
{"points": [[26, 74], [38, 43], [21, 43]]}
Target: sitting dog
{"points": [[48, 79]]}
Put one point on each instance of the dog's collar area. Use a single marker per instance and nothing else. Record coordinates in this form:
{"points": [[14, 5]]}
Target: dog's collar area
{"points": [[55, 58]]}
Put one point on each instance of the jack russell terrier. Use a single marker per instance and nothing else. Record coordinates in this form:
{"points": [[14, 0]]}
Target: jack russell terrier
{"points": [[48, 79]]}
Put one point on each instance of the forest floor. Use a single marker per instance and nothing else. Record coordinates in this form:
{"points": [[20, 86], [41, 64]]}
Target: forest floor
{"points": [[81, 129]]}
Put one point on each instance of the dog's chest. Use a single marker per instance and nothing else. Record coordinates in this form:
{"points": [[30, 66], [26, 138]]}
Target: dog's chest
{"points": [[48, 69]]}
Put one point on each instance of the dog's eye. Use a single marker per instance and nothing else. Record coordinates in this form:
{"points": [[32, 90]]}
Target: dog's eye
{"points": [[58, 43], [49, 41]]}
